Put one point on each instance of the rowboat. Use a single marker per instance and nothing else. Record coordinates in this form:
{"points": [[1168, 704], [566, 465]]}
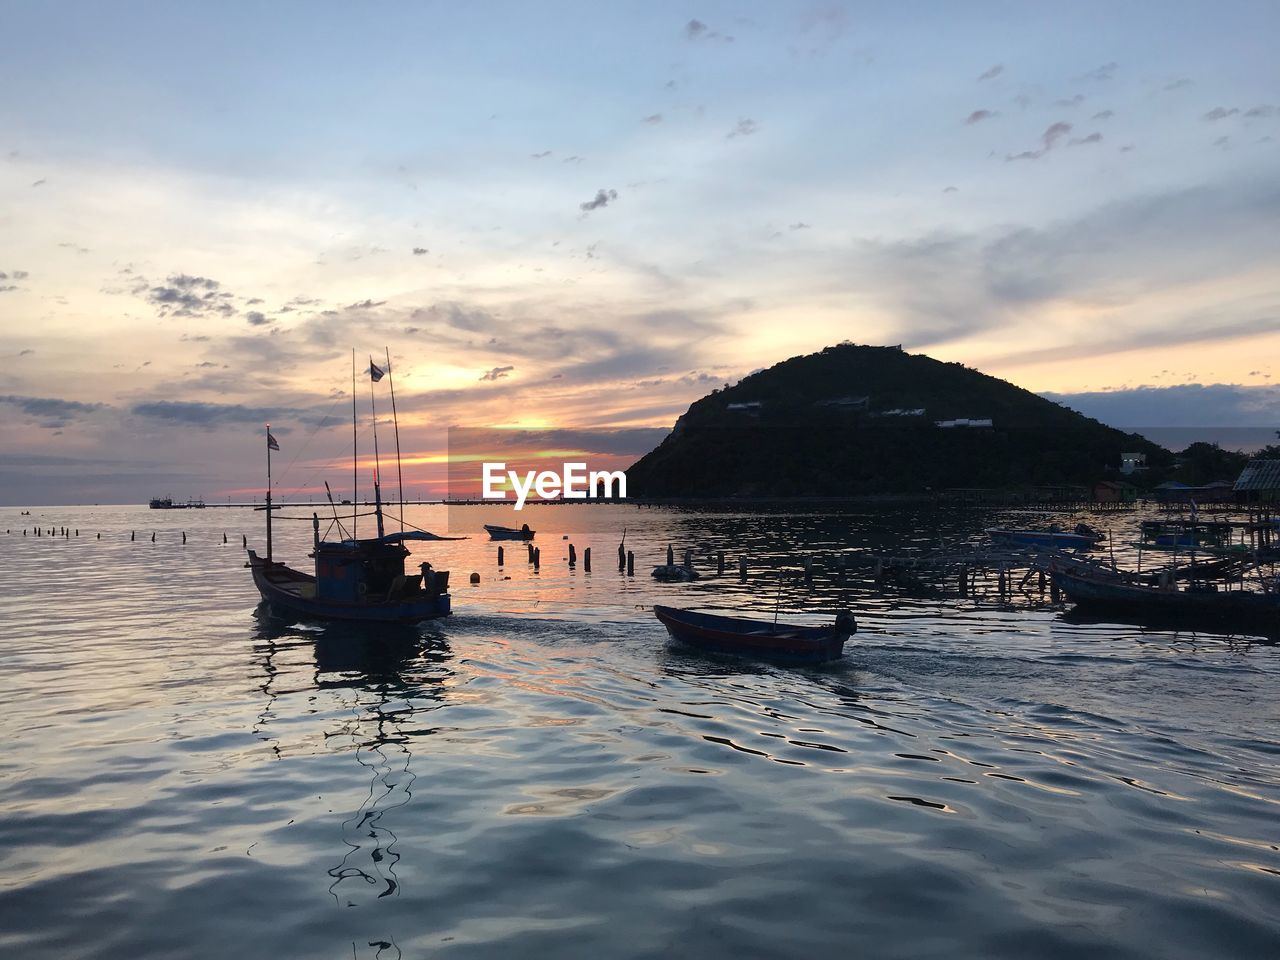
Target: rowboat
{"points": [[1161, 597], [509, 533], [1057, 539], [758, 638]]}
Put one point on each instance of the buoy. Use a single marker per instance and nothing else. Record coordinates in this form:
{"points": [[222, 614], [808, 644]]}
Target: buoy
{"points": [[475, 579]]}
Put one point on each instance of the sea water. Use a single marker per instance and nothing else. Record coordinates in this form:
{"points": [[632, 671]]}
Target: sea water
{"points": [[544, 774]]}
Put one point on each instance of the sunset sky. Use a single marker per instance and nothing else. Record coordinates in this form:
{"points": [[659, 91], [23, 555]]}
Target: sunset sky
{"points": [[582, 217]]}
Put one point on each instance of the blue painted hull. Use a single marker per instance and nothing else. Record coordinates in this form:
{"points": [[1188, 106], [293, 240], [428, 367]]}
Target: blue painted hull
{"points": [[285, 602]]}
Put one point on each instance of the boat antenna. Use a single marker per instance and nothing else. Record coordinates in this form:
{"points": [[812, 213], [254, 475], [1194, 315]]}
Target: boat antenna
{"points": [[374, 376], [336, 519], [355, 458], [777, 605], [395, 422], [268, 493]]}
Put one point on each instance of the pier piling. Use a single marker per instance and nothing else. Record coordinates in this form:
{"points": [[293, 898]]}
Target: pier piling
{"points": [[742, 568], [586, 560], [501, 556], [631, 564], [537, 558], [573, 556], [720, 563], [671, 556]]}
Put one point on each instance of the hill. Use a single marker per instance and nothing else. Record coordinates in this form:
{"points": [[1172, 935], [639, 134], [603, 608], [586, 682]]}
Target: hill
{"points": [[854, 420]]}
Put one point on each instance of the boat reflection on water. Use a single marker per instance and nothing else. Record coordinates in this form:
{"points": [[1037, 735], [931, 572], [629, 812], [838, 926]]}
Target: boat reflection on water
{"points": [[380, 680]]}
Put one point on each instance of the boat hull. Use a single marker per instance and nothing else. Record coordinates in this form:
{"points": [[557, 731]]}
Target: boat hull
{"points": [[1227, 610], [285, 602], [753, 638], [506, 533]]}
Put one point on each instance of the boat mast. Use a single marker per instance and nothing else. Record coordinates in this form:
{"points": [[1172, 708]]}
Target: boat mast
{"points": [[377, 462], [268, 493], [395, 422], [355, 457]]}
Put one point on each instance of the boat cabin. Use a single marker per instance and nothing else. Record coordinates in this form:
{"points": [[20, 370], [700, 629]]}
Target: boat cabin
{"points": [[355, 571]]}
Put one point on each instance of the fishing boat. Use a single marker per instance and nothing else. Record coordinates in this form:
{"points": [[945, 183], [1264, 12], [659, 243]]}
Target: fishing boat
{"points": [[1206, 599], [509, 533], [1082, 538], [360, 580], [758, 638]]}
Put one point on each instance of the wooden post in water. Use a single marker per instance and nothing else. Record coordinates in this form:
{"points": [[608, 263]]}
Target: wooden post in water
{"points": [[537, 558], [586, 560], [622, 558], [501, 556], [224, 536], [631, 564], [688, 559], [720, 563], [153, 536], [671, 556], [573, 556], [244, 542], [184, 536], [530, 547], [964, 581], [742, 568]]}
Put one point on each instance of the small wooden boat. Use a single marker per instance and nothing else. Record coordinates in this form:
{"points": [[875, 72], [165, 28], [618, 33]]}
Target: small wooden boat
{"points": [[355, 580], [1058, 539], [359, 580], [1200, 601], [758, 638], [674, 573], [509, 533]]}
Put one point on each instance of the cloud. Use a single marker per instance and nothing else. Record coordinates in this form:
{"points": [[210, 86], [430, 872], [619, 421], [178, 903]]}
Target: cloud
{"points": [[979, 115], [26, 353], [1264, 110], [183, 295], [1048, 140], [1178, 84], [14, 275], [540, 156], [745, 127], [799, 225], [991, 72], [653, 118], [694, 29], [420, 251], [1220, 113], [947, 285], [41, 182], [208, 416], [257, 319], [51, 412], [365, 304], [601, 199], [1103, 115], [1080, 141], [497, 373], [1070, 101], [1180, 405], [459, 316], [1102, 73]]}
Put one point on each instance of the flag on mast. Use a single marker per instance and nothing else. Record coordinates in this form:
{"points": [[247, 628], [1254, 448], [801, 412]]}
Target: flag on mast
{"points": [[272, 443], [376, 373]]}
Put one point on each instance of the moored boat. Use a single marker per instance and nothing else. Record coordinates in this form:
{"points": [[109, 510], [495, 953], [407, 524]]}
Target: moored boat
{"points": [[1161, 596], [361, 580], [758, 638], [509, 533], [1079, 539]]}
